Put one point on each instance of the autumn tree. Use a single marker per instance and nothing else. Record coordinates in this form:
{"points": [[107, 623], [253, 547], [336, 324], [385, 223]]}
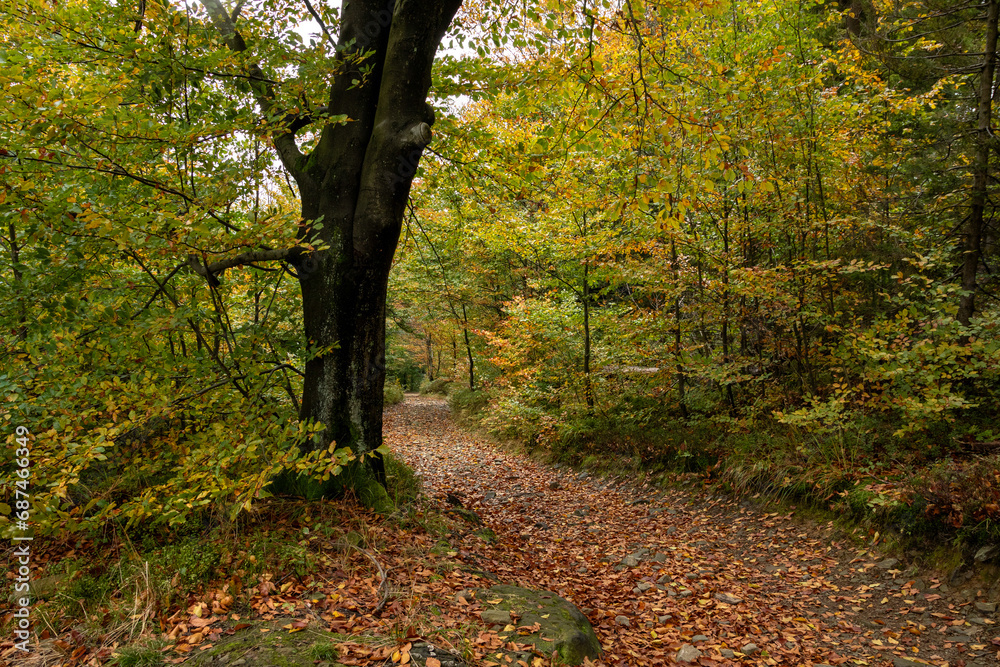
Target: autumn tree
{"points": [[155, 116], [353, 185]]}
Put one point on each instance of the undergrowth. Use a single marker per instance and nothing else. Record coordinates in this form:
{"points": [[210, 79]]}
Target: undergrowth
{"points": [[922, 489]]}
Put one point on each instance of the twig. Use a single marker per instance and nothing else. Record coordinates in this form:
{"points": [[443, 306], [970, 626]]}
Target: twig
{"points": [[384, 586], [322, 25]]}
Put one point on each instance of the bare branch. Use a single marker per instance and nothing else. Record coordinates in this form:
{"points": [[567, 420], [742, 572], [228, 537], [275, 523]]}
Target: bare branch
{"points": [[283, 138], [322, 25], [210, 271]]}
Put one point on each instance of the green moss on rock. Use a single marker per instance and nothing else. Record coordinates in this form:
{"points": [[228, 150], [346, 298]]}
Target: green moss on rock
{"points": [[563, 629], [271, 645]]}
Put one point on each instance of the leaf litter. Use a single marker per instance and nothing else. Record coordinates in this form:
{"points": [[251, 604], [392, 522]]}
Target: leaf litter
{"points": [[662, 575]]}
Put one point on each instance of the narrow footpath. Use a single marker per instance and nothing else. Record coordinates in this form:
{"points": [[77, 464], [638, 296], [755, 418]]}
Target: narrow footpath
{"points": [[663, 575]]}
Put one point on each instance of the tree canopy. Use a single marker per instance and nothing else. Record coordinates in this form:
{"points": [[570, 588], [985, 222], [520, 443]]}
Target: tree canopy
{"points": [[680, 217]]}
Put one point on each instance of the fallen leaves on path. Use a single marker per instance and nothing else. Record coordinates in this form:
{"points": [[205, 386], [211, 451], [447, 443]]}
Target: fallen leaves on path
{"points": [[657, 572]]}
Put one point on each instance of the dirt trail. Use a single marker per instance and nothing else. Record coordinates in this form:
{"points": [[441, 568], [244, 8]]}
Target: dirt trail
{"points": [[654, 571]]}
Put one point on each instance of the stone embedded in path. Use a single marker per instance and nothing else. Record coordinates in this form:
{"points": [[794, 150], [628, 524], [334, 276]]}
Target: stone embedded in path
{"points": [[554, 485], [750, 649], [688, 653], [699, 638], [623, 621], [420, 651], [563, 628], [727, 653], [887, 564], [727, 598], [986, 607], [643, 586]]}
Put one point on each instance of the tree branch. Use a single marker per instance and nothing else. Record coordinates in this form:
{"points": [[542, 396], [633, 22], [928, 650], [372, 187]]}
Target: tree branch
{"points": [[283, 138], [210, 271], [322, 25], [296, 122]]}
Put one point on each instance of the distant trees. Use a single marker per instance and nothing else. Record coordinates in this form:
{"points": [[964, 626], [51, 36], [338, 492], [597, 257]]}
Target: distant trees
{"points": [[950, 47], [787, 223]]}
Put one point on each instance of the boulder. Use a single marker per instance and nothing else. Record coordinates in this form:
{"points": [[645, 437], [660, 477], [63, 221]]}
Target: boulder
{"points": [[563, 629]]}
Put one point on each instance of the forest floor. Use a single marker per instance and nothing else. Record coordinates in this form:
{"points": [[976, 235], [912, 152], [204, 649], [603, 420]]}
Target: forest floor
{"points": [[656, 569]]}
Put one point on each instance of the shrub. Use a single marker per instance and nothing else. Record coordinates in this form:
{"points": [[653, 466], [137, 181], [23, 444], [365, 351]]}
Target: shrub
{"points": [[438, 386], [467, 404], [392, 393], [193, 561]]}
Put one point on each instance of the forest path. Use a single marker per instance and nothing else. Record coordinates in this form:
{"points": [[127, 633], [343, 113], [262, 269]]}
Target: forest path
{"points": [[656, 570]]}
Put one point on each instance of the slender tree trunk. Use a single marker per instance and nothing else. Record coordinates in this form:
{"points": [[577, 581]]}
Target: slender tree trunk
{"points": [[588, 387], [468, 348], [972, 236], [18, 282], [430, 357], [678, 356]]}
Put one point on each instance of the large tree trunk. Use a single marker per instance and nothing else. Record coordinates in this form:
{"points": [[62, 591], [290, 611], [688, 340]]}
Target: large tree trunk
{"points": [[356, 183]]}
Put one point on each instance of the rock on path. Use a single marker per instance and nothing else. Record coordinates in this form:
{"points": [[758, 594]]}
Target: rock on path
{"points": [[658, 573]]}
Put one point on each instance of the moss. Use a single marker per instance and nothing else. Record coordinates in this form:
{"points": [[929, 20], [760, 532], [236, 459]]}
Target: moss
{"points": [[137, 656], [486, 535], [564, 629], [358, 478], [270, 644]]}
